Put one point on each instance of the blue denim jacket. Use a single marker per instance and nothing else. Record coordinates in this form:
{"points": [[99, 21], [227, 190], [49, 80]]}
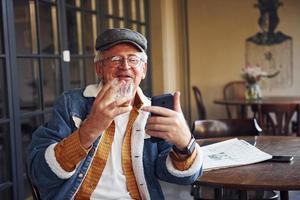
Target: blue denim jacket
{"points": [[155, 162]]}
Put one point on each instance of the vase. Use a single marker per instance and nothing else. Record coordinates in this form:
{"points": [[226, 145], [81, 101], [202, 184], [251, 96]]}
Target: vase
{"points": [[253, 91]]}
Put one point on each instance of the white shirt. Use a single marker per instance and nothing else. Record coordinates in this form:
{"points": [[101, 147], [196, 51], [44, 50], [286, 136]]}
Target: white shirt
{"points": [[112, 184]]}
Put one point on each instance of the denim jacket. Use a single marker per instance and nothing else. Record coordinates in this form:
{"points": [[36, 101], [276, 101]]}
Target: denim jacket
{"points": [[150, 160]]}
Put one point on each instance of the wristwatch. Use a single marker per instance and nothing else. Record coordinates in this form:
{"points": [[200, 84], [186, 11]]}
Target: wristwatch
{"points": [[189, 149]]}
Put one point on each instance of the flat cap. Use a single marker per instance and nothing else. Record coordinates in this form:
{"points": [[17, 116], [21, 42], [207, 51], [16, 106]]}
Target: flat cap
{"points": [[111, 37]]}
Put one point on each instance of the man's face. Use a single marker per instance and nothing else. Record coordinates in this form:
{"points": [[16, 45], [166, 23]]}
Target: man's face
{"points": [[117, 63]]}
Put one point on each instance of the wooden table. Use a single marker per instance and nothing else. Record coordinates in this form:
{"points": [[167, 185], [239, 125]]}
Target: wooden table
{"points": [[261, 176], [243, 103]]}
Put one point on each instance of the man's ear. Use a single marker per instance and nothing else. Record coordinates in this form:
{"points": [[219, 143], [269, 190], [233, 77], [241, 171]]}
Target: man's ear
{"points": [[98, 69]]}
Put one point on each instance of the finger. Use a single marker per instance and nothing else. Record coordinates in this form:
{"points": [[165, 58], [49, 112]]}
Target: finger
{"points": [[177, 106], [116, 108], [120, 102], [121, 110], [158, 134], [159, 110], [160, 127], [161, 134], [160, 120]]}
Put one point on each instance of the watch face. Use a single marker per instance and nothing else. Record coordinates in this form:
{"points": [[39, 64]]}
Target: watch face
{"points": [[191, 147]]}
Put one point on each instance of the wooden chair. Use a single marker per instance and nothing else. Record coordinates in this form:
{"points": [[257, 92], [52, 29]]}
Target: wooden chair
{"points": [[234, 90], [225, 127], [222, 128], [275, 119], [200, 103]]}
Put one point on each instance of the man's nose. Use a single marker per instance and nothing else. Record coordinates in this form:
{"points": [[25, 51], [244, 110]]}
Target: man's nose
{"points": [[125, 64]]}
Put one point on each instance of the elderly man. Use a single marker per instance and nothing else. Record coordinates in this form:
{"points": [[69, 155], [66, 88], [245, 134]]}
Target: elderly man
{"points": [[97, 143]]}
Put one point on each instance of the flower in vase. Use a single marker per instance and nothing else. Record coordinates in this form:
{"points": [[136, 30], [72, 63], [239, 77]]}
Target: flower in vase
{"points": [[253, 75]]}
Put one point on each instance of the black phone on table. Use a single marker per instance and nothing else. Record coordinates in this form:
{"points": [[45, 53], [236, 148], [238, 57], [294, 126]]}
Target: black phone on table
{"points": [[281, 158], [166, 101]]}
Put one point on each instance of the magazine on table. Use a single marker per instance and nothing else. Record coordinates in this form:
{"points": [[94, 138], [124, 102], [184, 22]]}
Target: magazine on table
{"points": [[230, 153]]}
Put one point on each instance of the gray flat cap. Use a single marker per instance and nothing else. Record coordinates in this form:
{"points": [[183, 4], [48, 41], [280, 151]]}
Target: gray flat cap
{"points": [[111, 37]]}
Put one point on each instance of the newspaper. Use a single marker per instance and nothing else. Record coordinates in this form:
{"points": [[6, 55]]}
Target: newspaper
{"points": [[229, 153]]}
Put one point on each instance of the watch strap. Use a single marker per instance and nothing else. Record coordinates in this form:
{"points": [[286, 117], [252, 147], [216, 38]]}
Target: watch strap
{"points": [[189, 149]]}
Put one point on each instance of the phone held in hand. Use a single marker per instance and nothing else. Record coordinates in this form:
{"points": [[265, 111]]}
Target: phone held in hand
{"points": [[281, 158], [166, 101]]}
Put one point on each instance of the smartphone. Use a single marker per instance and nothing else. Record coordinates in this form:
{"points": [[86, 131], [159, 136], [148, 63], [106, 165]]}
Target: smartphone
{"points": [[281, 158], [165, 100]]}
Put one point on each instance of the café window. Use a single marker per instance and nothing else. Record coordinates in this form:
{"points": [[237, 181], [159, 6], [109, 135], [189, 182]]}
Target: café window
{"points": [[34, 72], [81, 34]]}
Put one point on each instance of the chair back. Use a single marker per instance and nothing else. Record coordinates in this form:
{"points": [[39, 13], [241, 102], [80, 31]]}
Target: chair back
{"points": [[275, 119], [200, 103], [234, 90], [225, 127]]}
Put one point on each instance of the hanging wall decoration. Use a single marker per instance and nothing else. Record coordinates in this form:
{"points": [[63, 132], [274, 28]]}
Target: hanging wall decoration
{"points": [[269, 49]]}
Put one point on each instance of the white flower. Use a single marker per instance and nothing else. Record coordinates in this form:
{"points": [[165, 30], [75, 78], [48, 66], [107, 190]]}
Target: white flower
{"points": [[253, 74]]}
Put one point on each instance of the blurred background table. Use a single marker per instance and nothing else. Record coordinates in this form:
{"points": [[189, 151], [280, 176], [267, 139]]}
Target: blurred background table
{"points": [[283, 105]]}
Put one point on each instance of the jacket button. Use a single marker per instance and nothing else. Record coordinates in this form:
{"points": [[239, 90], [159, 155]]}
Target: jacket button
{"points": [[92, 150], [80, 175]]}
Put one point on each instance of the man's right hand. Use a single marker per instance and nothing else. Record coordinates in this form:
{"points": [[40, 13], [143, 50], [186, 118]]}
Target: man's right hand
{"points": [[105, 108]]}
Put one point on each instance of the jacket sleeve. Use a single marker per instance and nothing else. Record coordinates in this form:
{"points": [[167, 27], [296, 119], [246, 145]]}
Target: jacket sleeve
{"points": [[59, 127], [167, 171]]}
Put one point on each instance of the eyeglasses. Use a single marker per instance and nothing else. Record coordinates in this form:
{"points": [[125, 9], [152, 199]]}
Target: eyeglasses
{"points": [[132, 60]]}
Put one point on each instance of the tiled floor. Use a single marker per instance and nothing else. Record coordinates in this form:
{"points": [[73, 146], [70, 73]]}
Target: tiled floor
{"points": [[180, 192]]}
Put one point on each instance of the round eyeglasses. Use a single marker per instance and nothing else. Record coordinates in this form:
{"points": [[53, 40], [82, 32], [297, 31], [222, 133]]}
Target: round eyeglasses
{"points": [[132, 60]]}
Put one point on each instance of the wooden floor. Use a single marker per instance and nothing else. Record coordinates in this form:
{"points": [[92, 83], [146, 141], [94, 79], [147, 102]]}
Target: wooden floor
{"points": [[179, 192]]}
